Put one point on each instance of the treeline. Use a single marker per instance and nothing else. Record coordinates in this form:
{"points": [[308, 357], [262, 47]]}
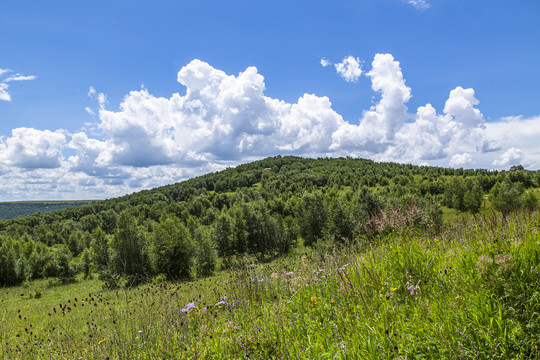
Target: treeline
{"points": [[262, 209]]}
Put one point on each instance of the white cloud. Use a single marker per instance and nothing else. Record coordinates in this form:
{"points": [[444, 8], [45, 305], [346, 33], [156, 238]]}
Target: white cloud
{"points": [[419, 4], [461, 159], [511, 156], [460, 129], [325, 62], [4, 95], [19, 77], [101, 97], [517, 132], [379, 124], [461, 105], [221, 117], [29, 148], [222, 120], [4, 84], [349, 68]]}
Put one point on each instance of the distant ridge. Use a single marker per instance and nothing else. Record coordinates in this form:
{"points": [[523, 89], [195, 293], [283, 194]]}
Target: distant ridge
{"points": [[13, 209]]}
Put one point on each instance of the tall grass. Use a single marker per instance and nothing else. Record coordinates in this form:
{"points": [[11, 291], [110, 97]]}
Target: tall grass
{"points": [[470, 292]]}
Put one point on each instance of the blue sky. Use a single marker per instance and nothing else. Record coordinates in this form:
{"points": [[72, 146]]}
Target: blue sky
{"points": [[104, 98]]}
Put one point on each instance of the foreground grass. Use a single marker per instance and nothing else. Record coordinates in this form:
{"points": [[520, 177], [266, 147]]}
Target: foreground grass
{"points": [[472, 292]]}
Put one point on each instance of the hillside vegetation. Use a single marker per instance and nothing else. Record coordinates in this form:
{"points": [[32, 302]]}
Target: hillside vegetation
{"points": [[263, 209], [470, 292], [283, 258]]}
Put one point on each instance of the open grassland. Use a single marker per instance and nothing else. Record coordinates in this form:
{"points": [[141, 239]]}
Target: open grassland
{"points": [[471, 292]]}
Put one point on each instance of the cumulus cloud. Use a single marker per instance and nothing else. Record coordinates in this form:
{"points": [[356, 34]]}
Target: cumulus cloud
{"points": [[461, 159], [379, 124], [511, 156], [221, 119], [4, 83], [29, 148], [458, 130], [349, 68]]}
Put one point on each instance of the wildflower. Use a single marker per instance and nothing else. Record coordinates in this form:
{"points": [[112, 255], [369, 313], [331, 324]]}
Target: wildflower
{"points": [[332, 301], [191, 305], [101, 341], [220, 303], [289, 273], [394, 289], [313, 300]]}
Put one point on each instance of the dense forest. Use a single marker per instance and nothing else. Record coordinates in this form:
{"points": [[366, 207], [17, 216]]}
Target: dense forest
{"points": [[262, 209]]}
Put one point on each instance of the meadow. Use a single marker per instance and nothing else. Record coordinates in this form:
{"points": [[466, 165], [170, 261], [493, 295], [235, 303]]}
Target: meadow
{"points": [[470, 291]]}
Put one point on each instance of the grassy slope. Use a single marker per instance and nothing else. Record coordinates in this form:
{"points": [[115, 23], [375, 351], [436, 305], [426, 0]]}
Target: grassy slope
{"points": [[471, 293]]}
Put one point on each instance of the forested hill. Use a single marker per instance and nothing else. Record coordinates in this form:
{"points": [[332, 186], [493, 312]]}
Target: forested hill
{"points": [[263, 208], [13, 209]]}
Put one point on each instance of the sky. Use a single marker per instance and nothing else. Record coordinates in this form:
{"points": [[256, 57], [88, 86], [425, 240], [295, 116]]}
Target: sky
{"points": [[105, 98]]}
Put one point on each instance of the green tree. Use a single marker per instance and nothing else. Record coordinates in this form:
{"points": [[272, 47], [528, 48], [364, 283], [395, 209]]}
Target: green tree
{"points": [[366, 203], [86, 263], [291, 233], [312, 217], [100, 250], [206, 258], [340, 220], [472, 200], [128, 249], [64, 270], [171, 249], [455, 193], [222, 235], [530, 201], [108, 220], [506, 197], [8, 265]]}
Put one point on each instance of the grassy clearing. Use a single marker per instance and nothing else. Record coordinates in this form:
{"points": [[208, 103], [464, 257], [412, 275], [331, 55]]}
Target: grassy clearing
{"points": [[472, 292]]}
